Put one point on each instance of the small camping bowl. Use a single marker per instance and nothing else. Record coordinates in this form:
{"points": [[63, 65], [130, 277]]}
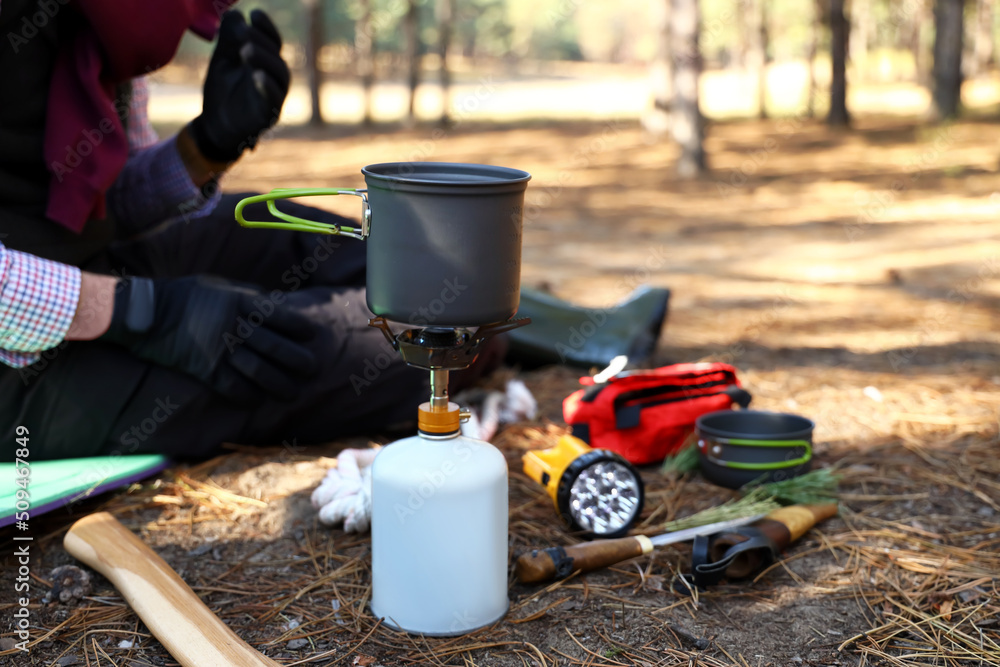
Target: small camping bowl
{"points": [[736, 447]]}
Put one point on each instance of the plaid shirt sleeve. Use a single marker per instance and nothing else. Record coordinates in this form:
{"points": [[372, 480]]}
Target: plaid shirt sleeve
{"points": [[154, 186], [38, 300]]}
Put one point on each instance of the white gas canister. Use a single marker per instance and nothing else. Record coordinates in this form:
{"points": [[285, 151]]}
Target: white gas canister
{"points": [[439, 534]]}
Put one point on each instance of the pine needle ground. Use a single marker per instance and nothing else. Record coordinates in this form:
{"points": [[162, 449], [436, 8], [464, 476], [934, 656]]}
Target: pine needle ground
{"points": [[900, 380]]}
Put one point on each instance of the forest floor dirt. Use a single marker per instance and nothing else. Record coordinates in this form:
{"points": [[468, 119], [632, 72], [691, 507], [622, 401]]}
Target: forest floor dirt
{"points": [[851, 276]]}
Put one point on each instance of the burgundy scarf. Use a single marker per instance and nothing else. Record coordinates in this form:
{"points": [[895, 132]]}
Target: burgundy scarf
{"points": [[85, 142]]}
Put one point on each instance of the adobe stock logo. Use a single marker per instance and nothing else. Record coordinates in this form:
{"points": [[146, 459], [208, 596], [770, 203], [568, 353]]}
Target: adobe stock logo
{"points": [[47, 10], [427, 314], [373, 371], [424, 489], [142, 431]]}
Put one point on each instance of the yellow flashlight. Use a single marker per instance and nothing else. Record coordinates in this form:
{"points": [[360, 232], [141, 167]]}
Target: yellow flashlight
{"points": [[594, 490]]}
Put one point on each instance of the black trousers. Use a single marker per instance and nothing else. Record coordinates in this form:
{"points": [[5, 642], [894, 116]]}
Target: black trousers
{"points": [[92, 398]]}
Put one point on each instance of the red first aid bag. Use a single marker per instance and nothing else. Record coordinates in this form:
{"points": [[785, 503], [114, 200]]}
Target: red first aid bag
{"points": [[647, 415]]}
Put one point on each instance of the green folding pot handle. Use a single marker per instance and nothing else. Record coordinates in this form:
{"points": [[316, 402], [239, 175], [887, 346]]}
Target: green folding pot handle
{"points": [[764, 465], [295, 223]]}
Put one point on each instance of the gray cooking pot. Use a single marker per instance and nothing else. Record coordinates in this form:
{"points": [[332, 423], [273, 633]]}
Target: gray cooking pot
{"points": [[444, 239], [736, 447]]}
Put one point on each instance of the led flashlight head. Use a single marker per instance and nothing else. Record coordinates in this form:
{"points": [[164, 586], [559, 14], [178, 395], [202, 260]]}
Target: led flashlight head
{"points": [[595, 491]]}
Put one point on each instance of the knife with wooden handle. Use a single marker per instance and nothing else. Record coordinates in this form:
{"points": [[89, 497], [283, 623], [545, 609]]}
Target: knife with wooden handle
{"points": [[193, 635], [560, 562]]}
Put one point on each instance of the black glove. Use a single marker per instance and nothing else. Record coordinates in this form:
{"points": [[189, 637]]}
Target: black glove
{"points": [[234, 338], [246, 85]]}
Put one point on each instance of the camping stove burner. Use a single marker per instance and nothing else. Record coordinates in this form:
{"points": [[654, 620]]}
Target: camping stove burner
{"points": [[443, 348], [439, 337]]}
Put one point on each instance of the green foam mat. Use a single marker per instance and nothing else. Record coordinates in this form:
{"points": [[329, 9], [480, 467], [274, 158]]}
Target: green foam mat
{"points": [[53, 484]]}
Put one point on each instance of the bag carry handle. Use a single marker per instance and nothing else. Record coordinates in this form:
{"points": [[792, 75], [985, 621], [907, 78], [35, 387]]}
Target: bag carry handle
{"points": [[628, 416], [740, 396], [295, 223]]}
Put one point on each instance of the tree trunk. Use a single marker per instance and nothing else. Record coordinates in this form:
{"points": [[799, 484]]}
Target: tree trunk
{"points": [[742, 59], [983, 50], [921, 55], [861, 19], [838, 116], [948, 32], [445, 15], [687, 122], [364, 50], [756, 41], [410, 28], [314, 41], [765, 43], [656, 120], [815, 26]]}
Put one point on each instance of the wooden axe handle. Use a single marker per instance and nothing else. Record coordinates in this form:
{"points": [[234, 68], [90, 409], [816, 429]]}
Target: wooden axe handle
{"points": [[193, 635]]}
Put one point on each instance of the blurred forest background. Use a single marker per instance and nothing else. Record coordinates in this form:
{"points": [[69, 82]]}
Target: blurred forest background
{"points": [[816, 182], [671, 63]]}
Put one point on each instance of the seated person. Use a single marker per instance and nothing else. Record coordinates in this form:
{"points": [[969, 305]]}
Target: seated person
{"points": [[165, 326], [136, 316]]}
